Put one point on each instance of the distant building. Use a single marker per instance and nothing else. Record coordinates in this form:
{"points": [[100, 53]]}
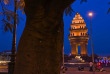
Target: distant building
{"points": [[5, 56]]}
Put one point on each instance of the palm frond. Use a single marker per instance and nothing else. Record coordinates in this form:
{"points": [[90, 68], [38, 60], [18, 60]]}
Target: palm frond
{"points": [[7, 26], [6, 2], [10, 15], [9, 18], [108, 11], [1, 13], [20, 5], [69, 11]]}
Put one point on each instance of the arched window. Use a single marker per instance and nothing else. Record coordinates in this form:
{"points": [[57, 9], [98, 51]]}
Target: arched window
{"points": [[73, 34], [82, 26], [81, 34]]}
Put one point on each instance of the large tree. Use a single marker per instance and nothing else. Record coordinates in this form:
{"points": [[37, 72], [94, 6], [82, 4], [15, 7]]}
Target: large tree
{"points": [[40, 47]]}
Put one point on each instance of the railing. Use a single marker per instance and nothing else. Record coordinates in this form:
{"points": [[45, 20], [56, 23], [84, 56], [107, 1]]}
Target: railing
{"points": [[78, 23], [70, 36], [78, 28]]}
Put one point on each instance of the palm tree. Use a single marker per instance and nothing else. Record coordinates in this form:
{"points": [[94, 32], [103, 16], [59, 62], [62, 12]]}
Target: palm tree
{"points": [[9, 25], [13, 51]]}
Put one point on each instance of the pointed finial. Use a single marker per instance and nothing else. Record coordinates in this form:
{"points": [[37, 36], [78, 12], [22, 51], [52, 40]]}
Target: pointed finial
{"points": [[77, 13]]}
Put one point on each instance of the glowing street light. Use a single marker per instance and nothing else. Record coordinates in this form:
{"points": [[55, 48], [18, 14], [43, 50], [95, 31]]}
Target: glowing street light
{"points": [[90, 14]]}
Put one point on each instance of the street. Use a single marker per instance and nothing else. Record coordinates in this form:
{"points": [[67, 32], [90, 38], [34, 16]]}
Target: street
{"points": [[74, 70], [84, 72]]}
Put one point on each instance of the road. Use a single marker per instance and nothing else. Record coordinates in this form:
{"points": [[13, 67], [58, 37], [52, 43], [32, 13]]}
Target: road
{"points": [[74, 70], [84, 72]]}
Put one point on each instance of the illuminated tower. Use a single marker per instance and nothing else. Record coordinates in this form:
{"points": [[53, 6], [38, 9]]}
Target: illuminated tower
{"points": [[78, 35]]}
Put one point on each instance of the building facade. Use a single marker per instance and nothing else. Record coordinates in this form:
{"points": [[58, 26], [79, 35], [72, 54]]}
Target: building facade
{"points": [[78, 35]]}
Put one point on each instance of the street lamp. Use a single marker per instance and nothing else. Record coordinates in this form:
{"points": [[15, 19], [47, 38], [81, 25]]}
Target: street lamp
{"points": [[63, 62], [90, 14]]}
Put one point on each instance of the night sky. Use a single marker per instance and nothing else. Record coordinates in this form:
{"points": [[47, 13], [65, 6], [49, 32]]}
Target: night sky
{"points": [[100, 27]]}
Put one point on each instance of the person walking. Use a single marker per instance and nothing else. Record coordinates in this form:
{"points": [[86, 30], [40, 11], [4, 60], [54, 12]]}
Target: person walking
{"points": [[91, 66]]}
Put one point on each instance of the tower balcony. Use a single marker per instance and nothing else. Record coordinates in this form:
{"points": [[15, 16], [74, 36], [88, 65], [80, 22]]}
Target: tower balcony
{"points": [[79, 37], [78, 29], [85, 28], [82, 23]]}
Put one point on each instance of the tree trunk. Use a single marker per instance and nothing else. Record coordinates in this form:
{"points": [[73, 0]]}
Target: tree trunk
{"points": [[40, 46]]}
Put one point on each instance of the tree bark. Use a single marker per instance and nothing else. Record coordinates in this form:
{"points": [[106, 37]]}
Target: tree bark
{"points": [[40, 46]]}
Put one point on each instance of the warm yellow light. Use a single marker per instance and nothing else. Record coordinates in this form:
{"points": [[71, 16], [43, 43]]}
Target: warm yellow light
{"points": [[90, 14]]}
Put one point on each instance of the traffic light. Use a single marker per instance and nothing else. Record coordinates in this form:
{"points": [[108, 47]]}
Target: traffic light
{"points": [[99, 64]]}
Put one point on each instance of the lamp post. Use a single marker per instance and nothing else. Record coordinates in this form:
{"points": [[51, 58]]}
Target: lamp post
{"points": [[63, 62], [90, 14]]}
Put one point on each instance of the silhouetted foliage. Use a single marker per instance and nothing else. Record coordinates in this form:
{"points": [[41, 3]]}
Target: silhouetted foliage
{"points": [[108, 11], [69, 10], [8, 15], [109, 8], [83, 1]]}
